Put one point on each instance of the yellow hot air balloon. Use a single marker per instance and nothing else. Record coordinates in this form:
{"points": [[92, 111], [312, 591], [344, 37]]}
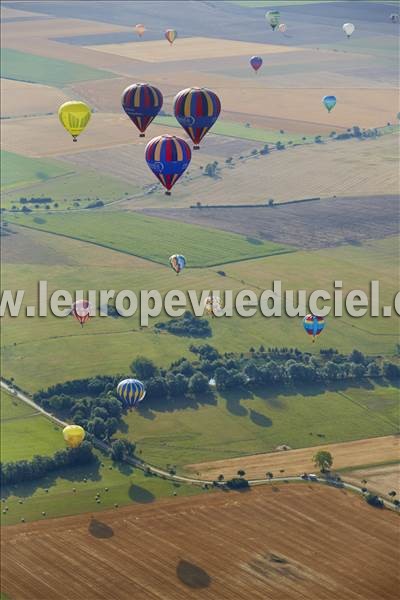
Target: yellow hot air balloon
{"points": [[73, 435], [74, 116]]}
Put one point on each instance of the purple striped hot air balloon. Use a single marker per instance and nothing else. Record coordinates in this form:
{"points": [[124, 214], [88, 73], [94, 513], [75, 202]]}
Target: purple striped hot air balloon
{"points": [[196, 109], [142, 103], [168, 157]]}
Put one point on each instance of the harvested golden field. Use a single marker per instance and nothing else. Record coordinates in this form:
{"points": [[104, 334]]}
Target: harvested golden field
{"points": [[20, 98], [343, 168], [294, 462], [291, 542], [53, 28], [192, 48], [381, 479], [12, 13]]}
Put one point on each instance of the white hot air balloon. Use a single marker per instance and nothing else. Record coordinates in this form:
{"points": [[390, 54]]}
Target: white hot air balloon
{"points": [[348, 28]]}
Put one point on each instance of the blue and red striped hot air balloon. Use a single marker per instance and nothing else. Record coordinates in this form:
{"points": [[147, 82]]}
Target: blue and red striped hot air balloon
{"points": [[142, 103], [196, 109], [168, 157], [313, 325], [256, 62]]}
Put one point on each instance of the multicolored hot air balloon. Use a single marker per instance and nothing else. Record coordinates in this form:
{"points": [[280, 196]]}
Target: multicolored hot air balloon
{"points": [[177, 262], [273, 18], [348, 29], [142, 103], [256, 62], [73, 435], [81, 311], [171, 35], [131, 392], [313, 325], [196, 109], [168, 157], [329, 102], [282, 28], [74, 116], [213, 305], [140, 29]]}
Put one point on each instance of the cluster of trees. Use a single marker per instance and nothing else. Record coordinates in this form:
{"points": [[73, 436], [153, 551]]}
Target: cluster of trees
{"points": [[187, 325], [95, 204], [356, 132], [211, 169], [33, 200], [39, 466]]}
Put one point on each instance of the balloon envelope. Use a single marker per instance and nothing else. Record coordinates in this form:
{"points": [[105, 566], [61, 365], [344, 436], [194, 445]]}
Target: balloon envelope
{"points": [[177, 262], [273, 17], [171, 35], [131, 392], [313, 325], [140, 29], [81, 311], [282, 28], [213, 305], [73, 435], [329, 102], [74, 116], [168, 156], [142, 103], [256, 62], [196, 110], [348, 28]]}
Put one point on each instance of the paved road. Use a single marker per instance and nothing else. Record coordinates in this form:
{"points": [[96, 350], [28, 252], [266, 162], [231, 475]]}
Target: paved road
{"points": [[140, 464]]}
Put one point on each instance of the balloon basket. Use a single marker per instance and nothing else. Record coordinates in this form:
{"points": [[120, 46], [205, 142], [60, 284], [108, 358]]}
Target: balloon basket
{"points": [[167, 193], [142, 135], [196, 147]]}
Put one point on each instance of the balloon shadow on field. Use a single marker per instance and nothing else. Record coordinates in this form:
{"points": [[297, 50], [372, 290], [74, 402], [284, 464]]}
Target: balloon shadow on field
{"points": [[233, 402], [140, 494], [259, 419], [193, 576], [100, 530]]}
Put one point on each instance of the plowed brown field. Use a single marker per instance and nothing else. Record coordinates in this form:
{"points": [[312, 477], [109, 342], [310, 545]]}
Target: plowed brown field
{"points": [[293, 542]]}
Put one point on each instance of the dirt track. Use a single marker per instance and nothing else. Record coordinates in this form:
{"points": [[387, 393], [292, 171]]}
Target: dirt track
{"points": [[292, 542], [345, 454]]}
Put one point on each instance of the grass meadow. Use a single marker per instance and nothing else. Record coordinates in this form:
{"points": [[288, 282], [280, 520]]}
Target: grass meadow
{"points": [[48, 71], [20, 171]]}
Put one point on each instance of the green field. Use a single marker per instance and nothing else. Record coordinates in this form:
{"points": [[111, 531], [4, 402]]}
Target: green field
{"points": [[237, 130], [126, 486], [24, 432], [154, 239], [20, 171], [275, 4], [83, 187], [48, 71], [240, 424]]}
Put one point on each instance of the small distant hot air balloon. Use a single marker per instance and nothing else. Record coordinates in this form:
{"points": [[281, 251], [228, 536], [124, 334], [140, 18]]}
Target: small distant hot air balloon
{"points": [[81, 311], [171, 35], [256, 62], [348, 28], [196, 110], [313, 325], [329, 102], [131, 392], [140, 29], [168, 157], [73, 435], [273, 18], [282, 28], [74, 116], [213, 305], [142, 103], [177, 262]]}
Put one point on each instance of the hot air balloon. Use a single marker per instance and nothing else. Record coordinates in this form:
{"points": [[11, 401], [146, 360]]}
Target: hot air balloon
{"points": [[168, 157], [282, 28], [213, 305], [313, 325], [74, 116], [140, 29], [131, 392], [73, 435], [329, 102], [196, 109], [273, 17], [348, 28], [256, 62], [171, 35], [177, 262], [81, 311], [142, 103]]}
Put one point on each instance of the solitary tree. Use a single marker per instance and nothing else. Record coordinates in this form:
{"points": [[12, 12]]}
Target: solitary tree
{"points": [[323, 459], [241, 473]]}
